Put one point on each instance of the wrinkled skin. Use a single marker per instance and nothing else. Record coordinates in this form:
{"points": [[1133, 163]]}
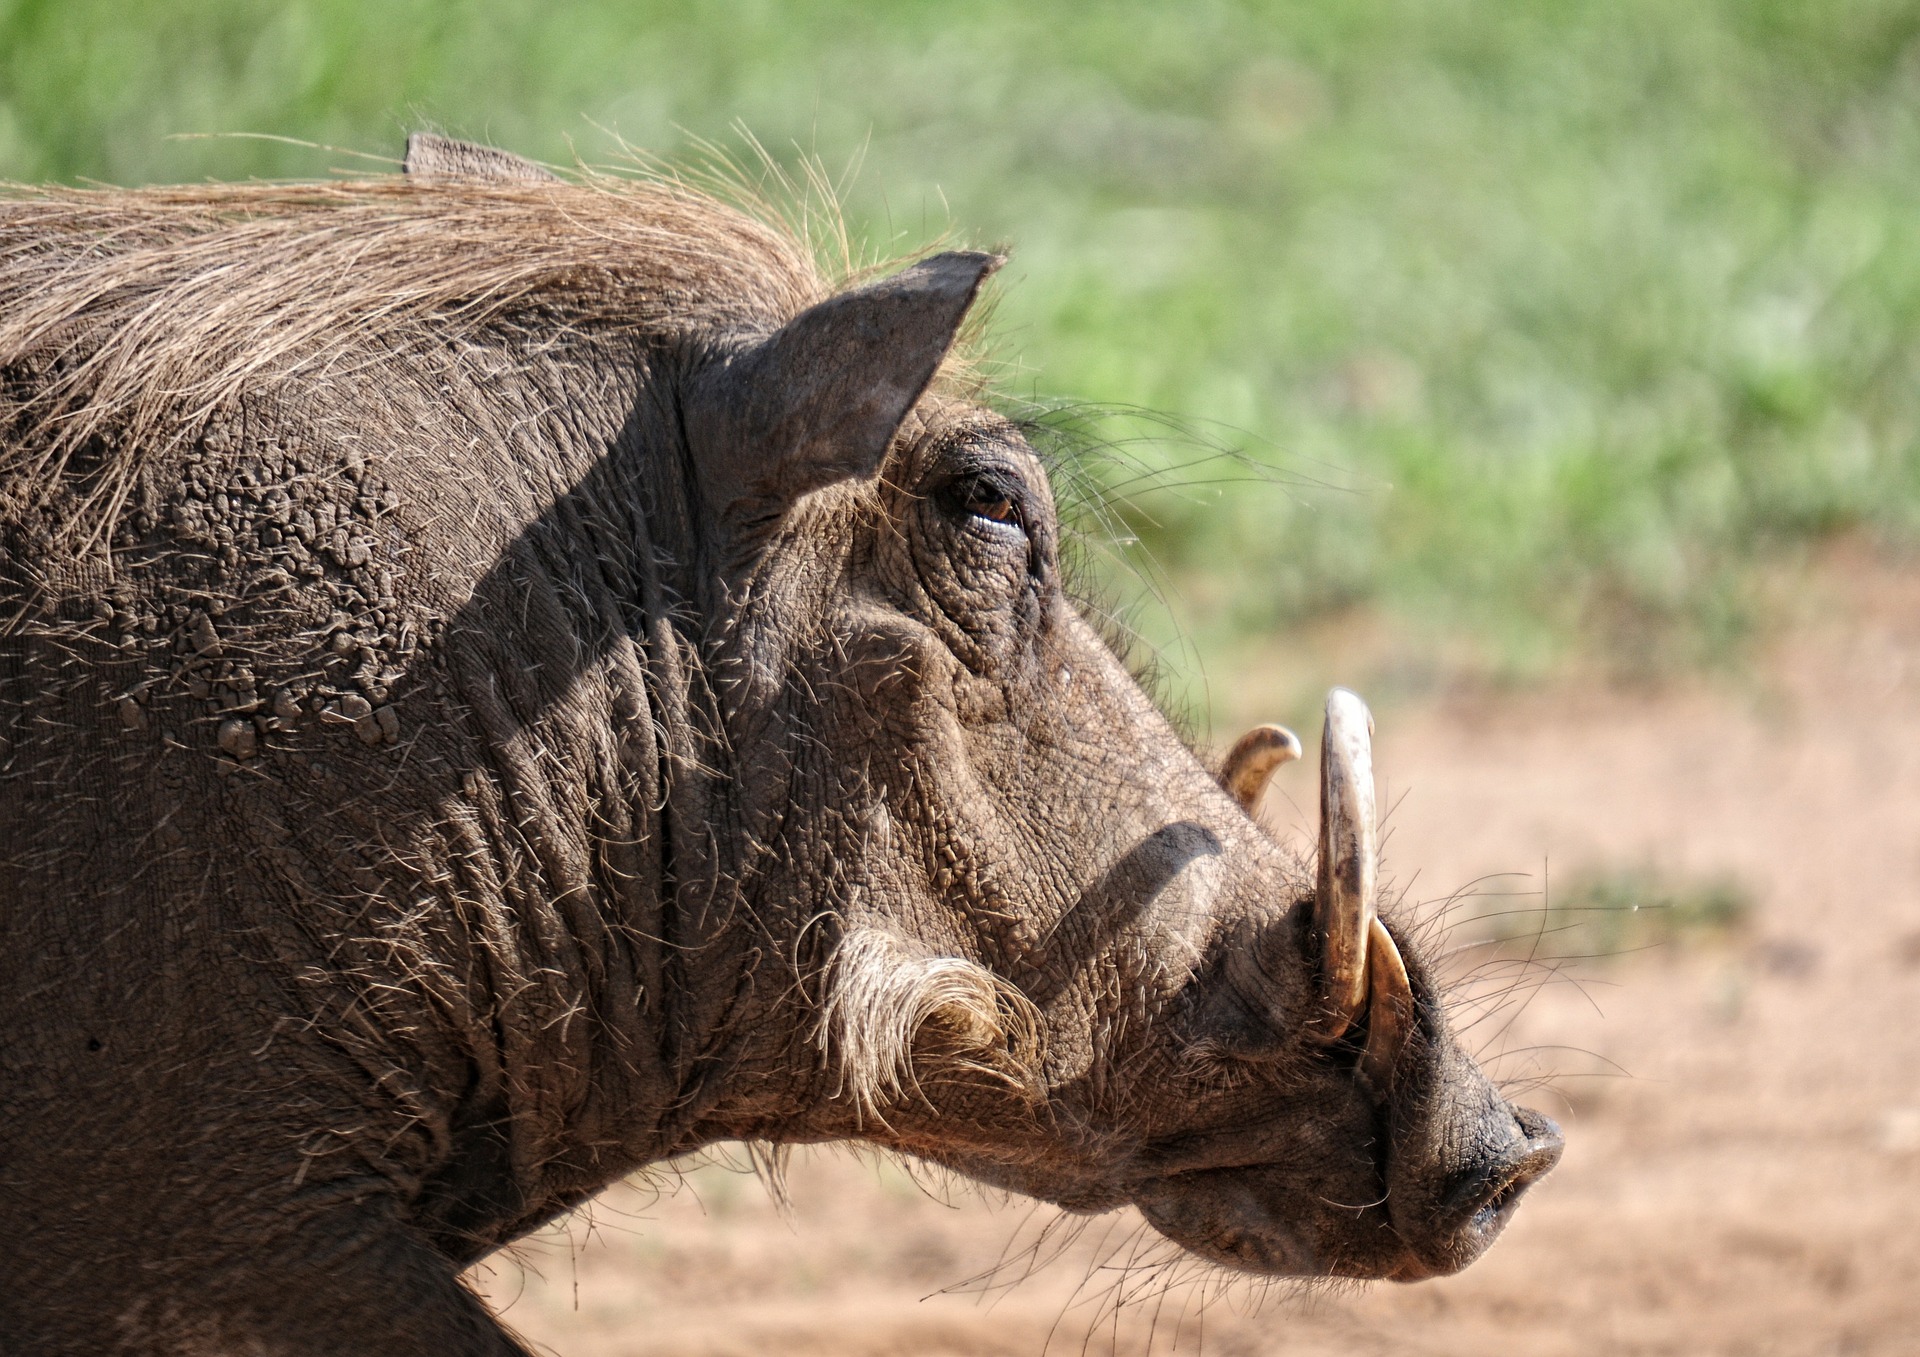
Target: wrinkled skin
{"points": [[1173, 1042], [327, 977]]}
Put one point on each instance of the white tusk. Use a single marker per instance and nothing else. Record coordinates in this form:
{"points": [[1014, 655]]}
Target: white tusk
{"points": [[1253, 759], [1343, 902], [1389, 1011]]}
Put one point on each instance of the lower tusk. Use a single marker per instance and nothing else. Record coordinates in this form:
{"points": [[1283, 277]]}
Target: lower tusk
{"points": [[1389, 1010], [1253, 759]]}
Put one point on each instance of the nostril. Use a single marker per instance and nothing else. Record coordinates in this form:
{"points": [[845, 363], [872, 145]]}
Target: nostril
{"points": [[1534, 1160], [1539, 1129], [1543, 1147]]}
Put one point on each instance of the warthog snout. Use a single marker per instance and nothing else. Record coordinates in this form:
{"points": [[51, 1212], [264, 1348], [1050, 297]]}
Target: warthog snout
{"points": [[1479, 1200], [1368, 1145]]}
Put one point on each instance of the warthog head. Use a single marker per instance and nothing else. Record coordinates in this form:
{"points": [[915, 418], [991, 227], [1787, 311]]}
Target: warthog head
{"points": [[1067, 959]]}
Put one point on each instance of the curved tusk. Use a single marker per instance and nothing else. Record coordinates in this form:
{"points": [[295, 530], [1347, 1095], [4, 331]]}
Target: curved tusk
{"points": [[1253, 759], [1389, 1011], [1343, 901]]}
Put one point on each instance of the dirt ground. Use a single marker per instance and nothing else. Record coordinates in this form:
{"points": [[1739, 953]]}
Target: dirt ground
{"points": [[1742, 1110]]}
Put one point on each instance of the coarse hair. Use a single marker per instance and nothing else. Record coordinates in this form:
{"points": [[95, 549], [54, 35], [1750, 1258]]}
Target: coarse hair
{"points": [[129, 316], [896, 1021]]}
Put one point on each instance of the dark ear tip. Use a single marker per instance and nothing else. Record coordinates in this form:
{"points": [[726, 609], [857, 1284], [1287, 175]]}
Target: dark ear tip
{"points": [[955, 270], [983, 262]]}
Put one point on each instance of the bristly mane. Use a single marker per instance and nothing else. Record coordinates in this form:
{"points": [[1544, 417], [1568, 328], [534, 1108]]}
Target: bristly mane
{"points": [[128, 316]]}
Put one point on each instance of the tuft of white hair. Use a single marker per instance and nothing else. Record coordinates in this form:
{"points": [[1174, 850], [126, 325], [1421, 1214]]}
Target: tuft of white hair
{"points": [[896, 1020]]}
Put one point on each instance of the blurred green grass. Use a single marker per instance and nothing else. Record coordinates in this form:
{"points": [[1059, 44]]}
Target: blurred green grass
{"points": [[1553, 324]]}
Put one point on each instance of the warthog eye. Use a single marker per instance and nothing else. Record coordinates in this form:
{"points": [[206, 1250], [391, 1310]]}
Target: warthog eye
{"points": [[996, 507], [984, 497]]}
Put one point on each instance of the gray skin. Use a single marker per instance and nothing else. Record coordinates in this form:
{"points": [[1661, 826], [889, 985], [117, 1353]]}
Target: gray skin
{"points": [[361, 915]]}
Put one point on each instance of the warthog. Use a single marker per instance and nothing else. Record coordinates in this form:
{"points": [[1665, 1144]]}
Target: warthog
{"points": [[506, 680]]}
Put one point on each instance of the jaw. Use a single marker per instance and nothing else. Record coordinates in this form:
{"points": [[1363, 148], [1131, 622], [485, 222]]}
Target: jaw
{"points": [[1258, 1220], [1252, 1219]]}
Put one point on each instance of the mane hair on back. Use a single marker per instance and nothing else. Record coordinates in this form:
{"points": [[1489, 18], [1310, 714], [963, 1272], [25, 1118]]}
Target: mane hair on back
{"points": [[128, 316]]}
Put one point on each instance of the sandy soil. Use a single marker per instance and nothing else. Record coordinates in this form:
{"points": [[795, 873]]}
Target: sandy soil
{"points": [[1743, 1115]]}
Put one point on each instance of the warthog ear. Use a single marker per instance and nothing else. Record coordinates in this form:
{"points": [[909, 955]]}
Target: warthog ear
{"points": [[821, 398], [431, 156]]}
